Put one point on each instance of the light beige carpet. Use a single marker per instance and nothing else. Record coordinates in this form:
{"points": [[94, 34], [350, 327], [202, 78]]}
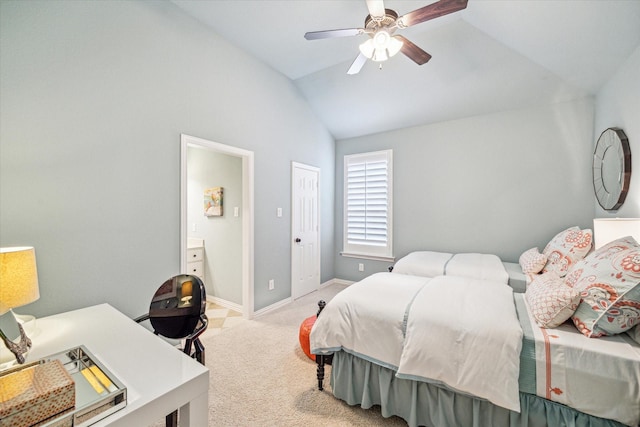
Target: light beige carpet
{"points": [[259, 376]]}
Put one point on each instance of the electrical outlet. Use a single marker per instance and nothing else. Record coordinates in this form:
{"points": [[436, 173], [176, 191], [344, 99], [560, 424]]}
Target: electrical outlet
{"points": [[361, 267], [271, 284]]}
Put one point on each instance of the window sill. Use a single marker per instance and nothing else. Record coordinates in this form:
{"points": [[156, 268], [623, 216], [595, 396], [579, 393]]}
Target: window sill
{"points": [[371, 257]]}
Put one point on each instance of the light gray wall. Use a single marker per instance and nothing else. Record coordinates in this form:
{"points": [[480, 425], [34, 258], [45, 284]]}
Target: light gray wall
{"points": [[499, 183], [618, 105], [94, 97], [222, 234]]}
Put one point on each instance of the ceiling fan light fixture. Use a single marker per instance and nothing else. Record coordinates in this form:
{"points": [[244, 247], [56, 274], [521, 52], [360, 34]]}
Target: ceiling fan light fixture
{"points": [[381, 46], [381, 39], [394, 46], [367, 48], [380, 55]]}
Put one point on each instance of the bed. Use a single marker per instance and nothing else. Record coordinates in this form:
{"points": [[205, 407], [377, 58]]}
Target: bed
{"points": [[430, 353]]}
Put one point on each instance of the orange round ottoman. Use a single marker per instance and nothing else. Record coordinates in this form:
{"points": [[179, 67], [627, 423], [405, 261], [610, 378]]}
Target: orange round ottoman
{"points": [[305, 330]]}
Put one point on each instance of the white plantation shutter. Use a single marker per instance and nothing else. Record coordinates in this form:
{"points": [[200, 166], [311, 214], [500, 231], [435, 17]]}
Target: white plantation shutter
{"points": [[367, 204]]}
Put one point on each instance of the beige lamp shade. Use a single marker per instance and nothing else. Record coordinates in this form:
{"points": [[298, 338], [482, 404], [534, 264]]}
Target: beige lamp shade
{"points": [[606, 230], [18, 277]]}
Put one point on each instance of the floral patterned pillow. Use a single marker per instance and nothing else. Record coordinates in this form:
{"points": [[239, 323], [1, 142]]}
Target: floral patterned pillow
{"points": [[567, 248], [532, 261], [550, 300], [609, 284]]}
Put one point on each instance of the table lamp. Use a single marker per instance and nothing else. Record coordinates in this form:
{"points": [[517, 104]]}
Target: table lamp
{"points": [[18, 287], [186, 290], [606, 230]]}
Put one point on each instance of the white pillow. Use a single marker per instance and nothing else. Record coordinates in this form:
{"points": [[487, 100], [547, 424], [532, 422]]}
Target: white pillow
{"points": [[532, 261], [423, 263], [551, 301]]}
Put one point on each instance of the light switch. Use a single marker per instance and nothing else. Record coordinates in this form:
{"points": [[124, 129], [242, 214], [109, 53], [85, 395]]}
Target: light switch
{"points": [[194, 227], [279, 212], [236, 211]]}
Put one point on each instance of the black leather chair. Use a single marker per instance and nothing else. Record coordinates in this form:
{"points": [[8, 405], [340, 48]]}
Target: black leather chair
{"points": [[177, 311]]}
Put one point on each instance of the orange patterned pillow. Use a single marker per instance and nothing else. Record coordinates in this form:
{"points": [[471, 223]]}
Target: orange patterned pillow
{"points": [[532, 261], [567, 248], [551, 301]]}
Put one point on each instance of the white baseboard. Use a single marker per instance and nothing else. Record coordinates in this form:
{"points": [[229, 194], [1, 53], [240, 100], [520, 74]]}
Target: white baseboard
{"points": [[337, 282], [272, 307], [289, 300], [226, 304]]}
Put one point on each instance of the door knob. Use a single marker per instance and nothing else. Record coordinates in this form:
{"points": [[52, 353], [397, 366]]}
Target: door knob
{"points": [[298, 240]]}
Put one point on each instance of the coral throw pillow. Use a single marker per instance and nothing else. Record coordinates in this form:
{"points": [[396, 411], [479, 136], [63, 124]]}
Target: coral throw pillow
{"points": [[532, 261], [609, 283], [551, 301], [567, 248]]}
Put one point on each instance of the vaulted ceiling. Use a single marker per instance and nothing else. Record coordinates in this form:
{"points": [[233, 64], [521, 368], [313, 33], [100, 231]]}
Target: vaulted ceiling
{"points": [[495, 55]]}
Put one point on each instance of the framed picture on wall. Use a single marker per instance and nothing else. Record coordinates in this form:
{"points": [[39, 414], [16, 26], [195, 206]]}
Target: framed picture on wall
{"points": [[213, 201]]}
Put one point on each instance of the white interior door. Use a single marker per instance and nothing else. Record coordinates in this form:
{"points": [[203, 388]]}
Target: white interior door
{"points": [[305, 230]]}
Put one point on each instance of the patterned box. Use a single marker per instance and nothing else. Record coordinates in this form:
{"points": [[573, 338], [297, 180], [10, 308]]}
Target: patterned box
{"points": [[34, 394]]}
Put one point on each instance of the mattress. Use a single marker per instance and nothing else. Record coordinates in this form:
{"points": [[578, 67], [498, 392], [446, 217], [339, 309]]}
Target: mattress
{"points": [[517, 279], [527, 378]]}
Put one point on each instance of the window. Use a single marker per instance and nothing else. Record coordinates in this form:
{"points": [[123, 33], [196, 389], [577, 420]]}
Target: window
{"points": [[367, 205]]}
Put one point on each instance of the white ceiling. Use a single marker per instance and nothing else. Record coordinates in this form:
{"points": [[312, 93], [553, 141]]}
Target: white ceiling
{"points": [[493, 56]]}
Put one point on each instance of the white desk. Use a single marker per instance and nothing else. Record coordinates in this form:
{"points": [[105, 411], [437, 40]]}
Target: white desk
{"points": [[159, 378]]}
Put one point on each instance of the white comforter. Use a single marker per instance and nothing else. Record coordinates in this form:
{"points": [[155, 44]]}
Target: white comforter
{"points": [[367, 319], [472, 265], [460, 332], [465, 334]]}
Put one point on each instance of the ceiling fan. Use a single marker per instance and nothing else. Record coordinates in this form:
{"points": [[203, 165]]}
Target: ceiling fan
{"points": [[381, 24]]}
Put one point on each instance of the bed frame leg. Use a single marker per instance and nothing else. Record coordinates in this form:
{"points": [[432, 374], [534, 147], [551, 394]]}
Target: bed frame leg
{"points": [[320, 371], [320, 357]]}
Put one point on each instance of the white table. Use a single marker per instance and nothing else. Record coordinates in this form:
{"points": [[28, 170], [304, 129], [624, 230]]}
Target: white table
{"points": [[159, 378]]}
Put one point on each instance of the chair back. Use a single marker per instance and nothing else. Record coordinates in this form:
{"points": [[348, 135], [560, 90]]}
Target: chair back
{"points": [[177, 306]]}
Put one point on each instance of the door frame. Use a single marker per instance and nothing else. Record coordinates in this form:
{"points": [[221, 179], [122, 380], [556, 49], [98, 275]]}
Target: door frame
{"points": [[295, 165], [247, 212]]}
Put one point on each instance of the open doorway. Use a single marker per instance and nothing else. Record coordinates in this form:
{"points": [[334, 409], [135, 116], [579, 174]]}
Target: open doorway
{"points": [[240, 211]]}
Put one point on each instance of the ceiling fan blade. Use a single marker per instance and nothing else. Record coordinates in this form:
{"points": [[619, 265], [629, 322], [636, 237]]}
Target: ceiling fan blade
{"points": [[415, 53], [431, 11], [376, 8], [357, 64], [315, 35]]}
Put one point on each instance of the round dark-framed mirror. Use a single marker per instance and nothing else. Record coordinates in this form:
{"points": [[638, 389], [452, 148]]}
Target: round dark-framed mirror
{"points": [[177, 305], [611, 168]]}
